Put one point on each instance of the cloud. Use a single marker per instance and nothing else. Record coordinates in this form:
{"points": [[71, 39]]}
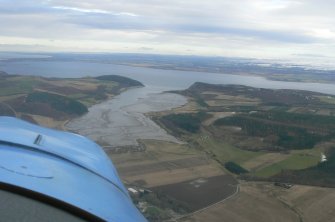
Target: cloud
{"points": [[99, 11], [260, 28], [265, 34], [146, 48], [94, 11]]}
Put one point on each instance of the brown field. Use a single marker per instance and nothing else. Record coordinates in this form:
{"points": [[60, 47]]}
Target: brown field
{"points": [[314, 204], [221, 99], [229, 103], [166, 177], [82, 84], [222, 96], [251, 204], [317, 111], [191, 106], [264, 202], [168, 165], [49, 122], [325, 112], [201, 192], [164, 163], [6, 98]]}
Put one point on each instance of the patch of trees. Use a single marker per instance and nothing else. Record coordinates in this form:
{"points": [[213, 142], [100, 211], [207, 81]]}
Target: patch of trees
{"points": [[160, 205], [58, 102], [315, 121], [286, 136], [190, 122], [329, 165], [235, 168]]}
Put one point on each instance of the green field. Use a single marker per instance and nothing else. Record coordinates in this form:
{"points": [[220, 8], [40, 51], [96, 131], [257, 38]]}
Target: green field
{"points": [[224, 152], [18, 85], [284, 131], [294, 162], [327, 99]]}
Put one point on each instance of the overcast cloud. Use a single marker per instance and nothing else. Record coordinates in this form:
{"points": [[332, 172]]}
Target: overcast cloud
{"points": [[245, 28]]}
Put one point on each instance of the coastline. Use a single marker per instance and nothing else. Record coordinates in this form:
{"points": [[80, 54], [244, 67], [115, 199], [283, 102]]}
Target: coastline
{"points": [[125, 117], [272, 77], [65, 122]]}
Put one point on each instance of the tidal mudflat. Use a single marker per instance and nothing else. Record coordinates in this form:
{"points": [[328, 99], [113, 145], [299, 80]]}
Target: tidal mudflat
{"points": [[121, 120]]}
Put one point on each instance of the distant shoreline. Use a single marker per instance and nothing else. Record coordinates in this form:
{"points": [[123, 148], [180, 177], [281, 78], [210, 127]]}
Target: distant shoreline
{"points": [[273, 77], [271, 70]]}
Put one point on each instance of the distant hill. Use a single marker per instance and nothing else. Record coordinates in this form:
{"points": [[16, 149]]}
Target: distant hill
{"points": [[2, 73], [123, 81], [49, 99], [58, 102]]}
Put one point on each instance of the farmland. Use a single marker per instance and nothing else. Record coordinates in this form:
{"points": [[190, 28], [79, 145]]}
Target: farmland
{"points": [[263, 131], [256, 135], [201, 192], [265, 202], [53, 101], [232, 137], [174, 172]]}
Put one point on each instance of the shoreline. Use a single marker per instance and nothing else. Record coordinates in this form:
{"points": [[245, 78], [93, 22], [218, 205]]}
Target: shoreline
{"points": [[122, 90], [125, 118], [272, 77]]}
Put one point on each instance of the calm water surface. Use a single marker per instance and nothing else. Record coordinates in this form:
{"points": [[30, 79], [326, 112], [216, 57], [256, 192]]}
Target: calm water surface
{"points": [[165, 79]]}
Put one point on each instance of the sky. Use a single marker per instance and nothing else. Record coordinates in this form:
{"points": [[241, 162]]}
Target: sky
{"points": [[235, 28]]}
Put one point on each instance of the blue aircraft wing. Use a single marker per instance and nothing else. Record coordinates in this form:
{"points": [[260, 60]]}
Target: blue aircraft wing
{"points": [[65, 167]]}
